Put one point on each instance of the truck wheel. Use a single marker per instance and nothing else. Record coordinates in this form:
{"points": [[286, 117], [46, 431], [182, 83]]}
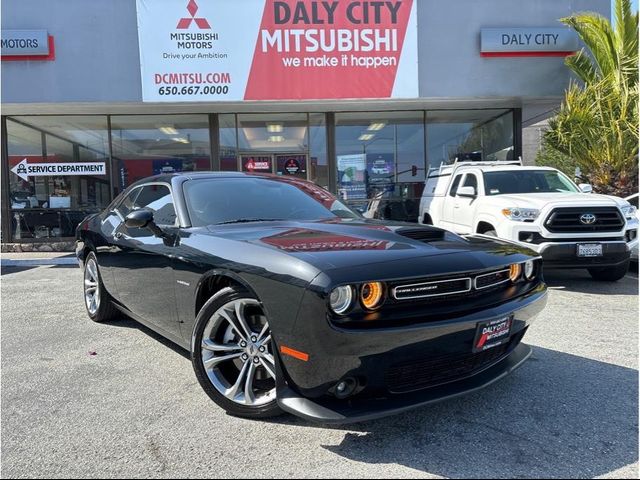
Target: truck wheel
{"points": [[609, 274], [491, 233], [427, 219]]}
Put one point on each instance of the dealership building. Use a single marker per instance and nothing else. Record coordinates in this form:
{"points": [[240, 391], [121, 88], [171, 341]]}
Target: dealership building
{"points": [[360, 97]]}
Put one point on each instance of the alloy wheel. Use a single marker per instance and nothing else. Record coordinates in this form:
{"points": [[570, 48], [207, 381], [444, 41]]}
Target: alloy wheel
{"points": [[236, 353], [91, 287]]}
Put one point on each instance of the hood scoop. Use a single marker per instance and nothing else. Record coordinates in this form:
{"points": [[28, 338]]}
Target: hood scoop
{"points": [[425, 235]]}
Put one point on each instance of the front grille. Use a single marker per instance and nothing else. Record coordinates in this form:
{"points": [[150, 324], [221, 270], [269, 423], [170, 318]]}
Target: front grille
{"points": [[416, 375], [432, 289], [450, 287], [567, 220], [492, 279]]}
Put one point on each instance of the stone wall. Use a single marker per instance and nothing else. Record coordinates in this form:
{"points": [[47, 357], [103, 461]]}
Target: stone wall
{"points": [[38, 247]]}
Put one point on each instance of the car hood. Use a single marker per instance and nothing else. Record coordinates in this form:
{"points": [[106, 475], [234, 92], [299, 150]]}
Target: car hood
{"points": [[367, 244], [542, 200]]}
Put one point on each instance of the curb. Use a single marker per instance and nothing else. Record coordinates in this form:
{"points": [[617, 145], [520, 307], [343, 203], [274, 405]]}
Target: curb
{"points": [[36, 262]]}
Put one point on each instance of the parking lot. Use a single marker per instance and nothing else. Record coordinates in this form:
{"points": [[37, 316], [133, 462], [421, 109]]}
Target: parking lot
{"points": [[86, 400]]}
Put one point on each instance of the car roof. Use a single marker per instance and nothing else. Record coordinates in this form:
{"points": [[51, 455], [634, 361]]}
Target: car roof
{"points": [[170, 177], [505, 168]]}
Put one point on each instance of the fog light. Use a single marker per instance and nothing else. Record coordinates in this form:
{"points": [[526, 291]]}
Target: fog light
{"points": [[514, 272], [345, 387]]}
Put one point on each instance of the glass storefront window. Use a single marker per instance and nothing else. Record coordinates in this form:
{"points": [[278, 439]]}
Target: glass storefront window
{"points": [[145, 145], [318, 166], [50, 203], [228, 143], [469, 135], [380, 162], [274, 143]]}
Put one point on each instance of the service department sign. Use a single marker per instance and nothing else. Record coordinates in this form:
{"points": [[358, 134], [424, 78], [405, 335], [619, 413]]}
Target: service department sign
{"points": [[543, 41], [206, 50]]}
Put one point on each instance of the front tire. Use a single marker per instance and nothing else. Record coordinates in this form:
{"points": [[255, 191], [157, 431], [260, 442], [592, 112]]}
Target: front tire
{"points": [[609, 274], [232, 354], [96, 298]]}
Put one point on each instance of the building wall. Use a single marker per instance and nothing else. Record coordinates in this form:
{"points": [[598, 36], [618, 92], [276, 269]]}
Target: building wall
{"points": [[97, 56], [450, 64], [96, 45]]}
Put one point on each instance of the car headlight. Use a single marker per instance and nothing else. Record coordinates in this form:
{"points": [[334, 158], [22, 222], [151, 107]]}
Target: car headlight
{"points": [[371, 295], [515, 270], [341, 298], [529, 269], [520, 214], [629, 212]]}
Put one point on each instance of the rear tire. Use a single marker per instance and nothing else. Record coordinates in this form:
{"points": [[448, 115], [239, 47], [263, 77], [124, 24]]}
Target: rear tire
{"points": [[97, 300], [609, 274], [232, 354], [491, 233]]}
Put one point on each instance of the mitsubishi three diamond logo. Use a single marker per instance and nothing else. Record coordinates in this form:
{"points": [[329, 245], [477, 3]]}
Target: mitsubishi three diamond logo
{"points": [[185, 22]]}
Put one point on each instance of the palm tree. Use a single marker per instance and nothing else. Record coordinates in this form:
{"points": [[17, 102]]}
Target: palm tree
{"points": [[597, 124], [611, 52]]}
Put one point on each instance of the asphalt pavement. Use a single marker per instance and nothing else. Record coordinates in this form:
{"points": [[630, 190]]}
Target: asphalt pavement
{"points": [[115, 400]]}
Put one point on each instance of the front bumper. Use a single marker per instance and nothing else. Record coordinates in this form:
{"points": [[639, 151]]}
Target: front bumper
{"points": [[333, 411], [563, 255], [307, 388]]}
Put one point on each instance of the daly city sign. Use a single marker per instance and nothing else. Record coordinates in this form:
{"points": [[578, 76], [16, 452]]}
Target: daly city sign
{"points": [[543, 41], [25, 170]]}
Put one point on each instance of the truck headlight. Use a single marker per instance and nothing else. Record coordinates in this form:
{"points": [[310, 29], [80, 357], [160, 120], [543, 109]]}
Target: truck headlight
{"points": [[629, 212], [520, 214]]}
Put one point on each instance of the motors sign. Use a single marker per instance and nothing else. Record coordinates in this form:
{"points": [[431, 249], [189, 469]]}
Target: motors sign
{"points": [[25, 169], [203, 50], [543, 41]]}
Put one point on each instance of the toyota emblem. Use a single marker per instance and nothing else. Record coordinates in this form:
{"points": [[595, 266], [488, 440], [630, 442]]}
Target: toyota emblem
{"points": [[588, 218]]}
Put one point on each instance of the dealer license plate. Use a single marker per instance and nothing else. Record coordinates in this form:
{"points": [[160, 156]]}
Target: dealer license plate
{"points": [[492, 333], [589, 249]]}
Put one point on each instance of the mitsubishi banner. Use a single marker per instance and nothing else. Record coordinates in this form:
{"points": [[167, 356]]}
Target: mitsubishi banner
{"points": [[221, 50]]}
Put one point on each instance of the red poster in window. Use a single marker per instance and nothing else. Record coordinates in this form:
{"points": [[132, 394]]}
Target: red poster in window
{"points": [[257, 163]]}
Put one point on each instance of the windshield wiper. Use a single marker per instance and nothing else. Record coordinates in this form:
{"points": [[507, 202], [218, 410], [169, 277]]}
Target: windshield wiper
{"points": [[246, 220]]}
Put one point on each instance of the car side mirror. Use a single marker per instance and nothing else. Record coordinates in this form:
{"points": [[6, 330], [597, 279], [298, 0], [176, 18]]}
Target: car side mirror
{"points": [[585, 188], [139, 218], [467, 192], [143, 218]]}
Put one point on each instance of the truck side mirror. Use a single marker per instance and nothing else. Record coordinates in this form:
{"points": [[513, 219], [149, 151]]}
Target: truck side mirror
{"points": [[585, 188], [467, 192]]}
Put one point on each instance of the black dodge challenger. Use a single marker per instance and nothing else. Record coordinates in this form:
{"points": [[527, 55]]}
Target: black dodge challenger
{"points": [[290, 301]]}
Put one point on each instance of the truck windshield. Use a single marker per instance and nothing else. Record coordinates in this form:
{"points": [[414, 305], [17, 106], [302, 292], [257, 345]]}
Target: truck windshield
{"points": [[527, 181]]}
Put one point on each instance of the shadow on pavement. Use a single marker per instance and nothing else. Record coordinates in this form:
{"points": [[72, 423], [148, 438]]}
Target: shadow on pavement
{"points": [[126, 322], [581, 282], [558, 416], [12, 270]]}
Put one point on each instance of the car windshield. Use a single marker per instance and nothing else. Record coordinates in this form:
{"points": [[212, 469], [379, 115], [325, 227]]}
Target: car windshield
{"points": [[527, 181], [215, 201]]}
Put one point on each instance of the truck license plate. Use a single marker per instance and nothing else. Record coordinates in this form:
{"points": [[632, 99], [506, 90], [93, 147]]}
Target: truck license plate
{"points": [[589, 249]]}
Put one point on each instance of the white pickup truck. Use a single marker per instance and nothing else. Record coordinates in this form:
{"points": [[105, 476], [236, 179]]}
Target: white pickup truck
{"points": [[538, 207]]}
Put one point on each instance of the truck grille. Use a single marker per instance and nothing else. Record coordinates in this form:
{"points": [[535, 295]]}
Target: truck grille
{"points": [[416, 375], [568, 220]]}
